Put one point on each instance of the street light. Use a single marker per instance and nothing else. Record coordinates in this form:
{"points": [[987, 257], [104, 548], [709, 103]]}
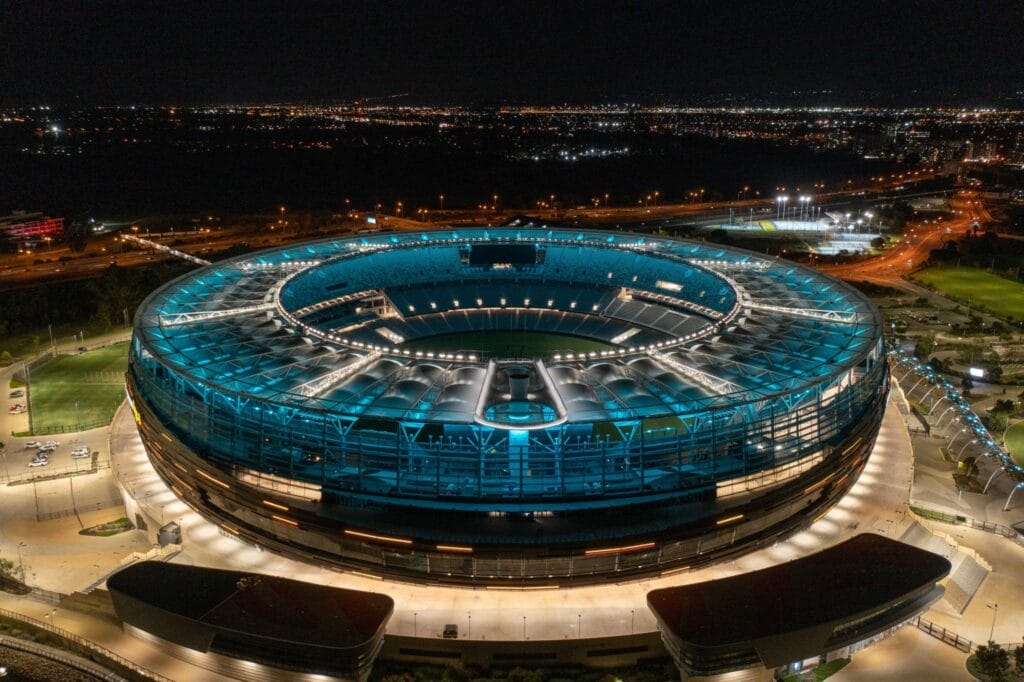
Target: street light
{"points": [[995, 609], [21, 562]]}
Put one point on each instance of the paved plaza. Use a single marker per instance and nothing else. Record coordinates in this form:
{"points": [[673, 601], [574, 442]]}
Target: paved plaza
{"points": [[58, 558]]}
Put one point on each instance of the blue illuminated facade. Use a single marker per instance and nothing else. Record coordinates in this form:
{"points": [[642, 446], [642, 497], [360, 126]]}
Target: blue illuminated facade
{"points": [[722, 373]]}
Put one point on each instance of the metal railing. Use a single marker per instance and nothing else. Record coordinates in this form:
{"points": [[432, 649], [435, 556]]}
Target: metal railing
{"points": [[38, 474], [87, 644], [72, 511], [58, 656], [948, 636]]}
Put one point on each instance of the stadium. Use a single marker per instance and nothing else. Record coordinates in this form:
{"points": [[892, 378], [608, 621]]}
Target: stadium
{"points": [[525, 406]]}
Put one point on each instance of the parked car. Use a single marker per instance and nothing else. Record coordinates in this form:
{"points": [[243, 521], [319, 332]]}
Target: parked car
{"points": [[32, 444], [80, 453], [39, 462], [17, 393], [51, 444]]}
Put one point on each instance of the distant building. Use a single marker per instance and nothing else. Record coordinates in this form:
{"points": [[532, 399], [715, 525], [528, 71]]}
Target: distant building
{"points": [[21, 227], [867, 144]]}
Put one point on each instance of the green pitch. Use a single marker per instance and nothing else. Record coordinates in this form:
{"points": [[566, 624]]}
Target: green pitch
{"points": [[507, 344], [997, 295], [79, 390], [1014, 439]]}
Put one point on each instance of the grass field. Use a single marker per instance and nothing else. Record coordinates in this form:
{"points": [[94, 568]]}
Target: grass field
{"points": [[997, 295], [82, 389], [1014, 439], [507, 344]]}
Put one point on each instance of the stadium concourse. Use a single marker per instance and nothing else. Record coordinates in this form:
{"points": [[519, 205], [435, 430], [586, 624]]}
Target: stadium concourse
{"points": [[876, 503]]}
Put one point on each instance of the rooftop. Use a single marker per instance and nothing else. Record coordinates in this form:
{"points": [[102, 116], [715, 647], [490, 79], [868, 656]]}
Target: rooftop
{"points": [[259, 605], [847, 579]]}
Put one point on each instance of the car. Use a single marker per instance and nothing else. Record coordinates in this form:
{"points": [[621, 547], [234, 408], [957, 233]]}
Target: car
{"points": [[45, 450], [51, 444], [81, 453], [39, 462], [32, 444], [451, 631], [17, 393]]}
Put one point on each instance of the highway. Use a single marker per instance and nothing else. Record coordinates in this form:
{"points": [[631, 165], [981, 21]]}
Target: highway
{"points": [[916, 245], [44, 266]]}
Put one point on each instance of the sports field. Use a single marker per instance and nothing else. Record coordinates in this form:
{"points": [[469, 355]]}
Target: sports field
{"points": [[981, 288], [78, 390], [507, 344], [1014, 439]]}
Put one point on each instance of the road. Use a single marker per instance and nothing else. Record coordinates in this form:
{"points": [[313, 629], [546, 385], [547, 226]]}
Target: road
{"points": [[43, 266], [915, 246]]}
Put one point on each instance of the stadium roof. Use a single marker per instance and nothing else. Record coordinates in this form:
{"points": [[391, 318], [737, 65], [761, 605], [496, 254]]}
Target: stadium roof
{"points": [[689, 325]]}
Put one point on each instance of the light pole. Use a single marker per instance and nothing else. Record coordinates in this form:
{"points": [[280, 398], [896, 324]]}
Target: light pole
{"points": [[524, 628], [415, 618], [441, 198], [469, 627], [579, 625], [21, 562], [995, 609]]}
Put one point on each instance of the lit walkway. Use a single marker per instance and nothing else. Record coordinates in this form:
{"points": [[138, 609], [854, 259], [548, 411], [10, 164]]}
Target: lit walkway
{"points": [[875, 504]]}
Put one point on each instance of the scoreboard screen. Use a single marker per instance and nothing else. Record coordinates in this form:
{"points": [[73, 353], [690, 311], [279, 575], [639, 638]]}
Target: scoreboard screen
{"points": [[511, 254]]}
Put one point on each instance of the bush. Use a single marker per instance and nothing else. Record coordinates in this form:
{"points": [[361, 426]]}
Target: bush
{"points": [[993, 660]]}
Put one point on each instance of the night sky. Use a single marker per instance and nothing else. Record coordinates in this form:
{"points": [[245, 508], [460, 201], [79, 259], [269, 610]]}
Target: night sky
{"points": [[96, 52]]}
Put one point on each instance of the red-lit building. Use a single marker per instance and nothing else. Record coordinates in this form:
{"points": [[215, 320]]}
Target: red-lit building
{"points": [[21, 227]]}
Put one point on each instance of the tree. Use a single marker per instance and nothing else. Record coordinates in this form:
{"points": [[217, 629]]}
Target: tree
{"points": [[8, 568], [1018, 658], [5, 358], [77, 234], [993, 661], [1002, 405], [925, 347]]}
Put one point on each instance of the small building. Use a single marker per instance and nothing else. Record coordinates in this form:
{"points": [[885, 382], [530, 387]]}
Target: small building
{"points": [[792, 616], [21, 227]]}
